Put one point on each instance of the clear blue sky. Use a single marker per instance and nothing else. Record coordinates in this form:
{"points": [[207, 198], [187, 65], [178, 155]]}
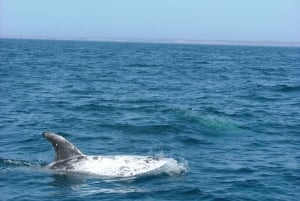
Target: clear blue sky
{"points": [[277, 20]]}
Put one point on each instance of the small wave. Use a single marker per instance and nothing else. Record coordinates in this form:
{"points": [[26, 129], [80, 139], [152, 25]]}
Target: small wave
{"points": [[188, 140], [188, 192], [248, 183], [9, 163], [88, 190], [245, 170], [265, 98], [14, 163], [288, 88], [141, 65], [201, 62], [158, 128], [285, 88], [93, 107]]}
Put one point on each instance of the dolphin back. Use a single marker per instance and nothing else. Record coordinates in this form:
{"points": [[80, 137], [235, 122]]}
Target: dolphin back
{"points": [[63, 148]]}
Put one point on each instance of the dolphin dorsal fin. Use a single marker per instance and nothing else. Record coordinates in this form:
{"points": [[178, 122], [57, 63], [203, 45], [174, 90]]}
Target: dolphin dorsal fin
{"points": [[63, 148]]}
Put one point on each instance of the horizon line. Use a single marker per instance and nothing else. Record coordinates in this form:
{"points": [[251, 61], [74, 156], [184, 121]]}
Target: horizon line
{"points": [[163, 41]]}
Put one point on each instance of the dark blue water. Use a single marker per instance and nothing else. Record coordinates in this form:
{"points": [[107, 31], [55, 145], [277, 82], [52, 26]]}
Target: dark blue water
{"points": [[231, 112]]}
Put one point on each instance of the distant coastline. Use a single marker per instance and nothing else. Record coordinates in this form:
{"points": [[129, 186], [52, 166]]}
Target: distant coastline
{"points": [[166, 41]]}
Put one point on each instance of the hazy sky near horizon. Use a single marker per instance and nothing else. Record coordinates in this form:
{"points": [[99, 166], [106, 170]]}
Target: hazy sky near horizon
{"points": [[276, 20]]}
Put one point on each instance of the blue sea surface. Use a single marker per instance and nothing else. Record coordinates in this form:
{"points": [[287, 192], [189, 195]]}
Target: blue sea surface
{"points": [[231, 113]]}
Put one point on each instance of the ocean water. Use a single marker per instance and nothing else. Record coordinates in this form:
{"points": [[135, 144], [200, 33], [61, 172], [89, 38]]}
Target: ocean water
{"points": [[230, 113]]}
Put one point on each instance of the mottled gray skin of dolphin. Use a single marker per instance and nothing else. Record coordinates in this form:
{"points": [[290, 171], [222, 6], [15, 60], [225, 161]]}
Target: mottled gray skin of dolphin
{"points": [[64, 150], [70, 159]]}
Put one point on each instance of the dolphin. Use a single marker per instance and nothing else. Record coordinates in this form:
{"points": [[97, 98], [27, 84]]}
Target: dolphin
{"points": [[70, 159]]}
